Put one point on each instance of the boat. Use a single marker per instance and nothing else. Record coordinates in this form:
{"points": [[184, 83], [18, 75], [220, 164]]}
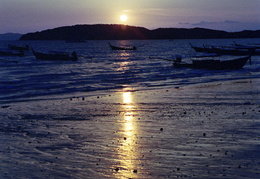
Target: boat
{"points": [[55, 56], [235, 51], [14, 47], [11, 53], [249, 46], [122, 48], [212, 64], [228, 50], [206, 55], [202, 49]]}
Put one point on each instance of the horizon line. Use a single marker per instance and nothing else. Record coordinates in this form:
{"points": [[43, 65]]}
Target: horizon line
{"points": [[4, 33]]}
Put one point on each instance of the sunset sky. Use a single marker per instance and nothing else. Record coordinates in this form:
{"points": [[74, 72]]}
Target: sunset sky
{"points": [[23, 16]]}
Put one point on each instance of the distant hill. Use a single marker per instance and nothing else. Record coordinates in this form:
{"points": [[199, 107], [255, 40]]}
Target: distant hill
{"points": [[120, 32], [10, 36]]}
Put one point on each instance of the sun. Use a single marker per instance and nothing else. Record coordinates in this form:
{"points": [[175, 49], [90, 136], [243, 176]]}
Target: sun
{"points": [[123, 17]]}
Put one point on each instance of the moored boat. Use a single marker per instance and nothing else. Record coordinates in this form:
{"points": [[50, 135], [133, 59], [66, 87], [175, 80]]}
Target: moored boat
{"points": [[212, 64], [235, 51], [202, 49], [249, 46], [228, 50], [122, 48], [55, 56]]}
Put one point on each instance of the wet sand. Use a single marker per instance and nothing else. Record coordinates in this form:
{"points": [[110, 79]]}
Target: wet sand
{"points": [[199, 131]]}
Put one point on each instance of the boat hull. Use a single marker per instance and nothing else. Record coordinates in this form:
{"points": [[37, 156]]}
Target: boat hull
{"points": [[237, 51], [121, 48], [44, 56], [214, 64]]}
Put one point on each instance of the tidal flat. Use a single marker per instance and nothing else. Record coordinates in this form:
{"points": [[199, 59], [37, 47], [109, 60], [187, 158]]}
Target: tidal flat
{"points": [[206, 130]]}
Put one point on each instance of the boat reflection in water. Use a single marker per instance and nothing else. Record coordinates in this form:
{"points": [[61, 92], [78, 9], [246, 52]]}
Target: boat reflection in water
{"points": [[128, 151]]}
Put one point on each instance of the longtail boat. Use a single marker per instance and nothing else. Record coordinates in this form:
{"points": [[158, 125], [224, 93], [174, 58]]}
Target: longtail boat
{"points": [[228, 50], [55, 56], [212, 64], [122, 48]]}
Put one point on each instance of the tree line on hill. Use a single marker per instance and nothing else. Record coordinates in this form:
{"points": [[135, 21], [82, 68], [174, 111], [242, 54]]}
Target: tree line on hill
{"points": [[125, 32]]}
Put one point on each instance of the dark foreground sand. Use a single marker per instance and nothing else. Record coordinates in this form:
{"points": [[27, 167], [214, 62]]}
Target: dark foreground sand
{"points": [[198, 131]]}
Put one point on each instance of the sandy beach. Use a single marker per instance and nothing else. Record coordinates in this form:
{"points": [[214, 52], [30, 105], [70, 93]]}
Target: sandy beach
{"points": [[209, 130]]}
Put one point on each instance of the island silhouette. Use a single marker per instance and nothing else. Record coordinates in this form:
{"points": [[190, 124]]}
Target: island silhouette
{"points": [[126, 32]]}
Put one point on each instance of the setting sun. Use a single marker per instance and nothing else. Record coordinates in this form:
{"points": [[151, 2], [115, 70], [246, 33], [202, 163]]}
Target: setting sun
{"points": [[123, 18]]}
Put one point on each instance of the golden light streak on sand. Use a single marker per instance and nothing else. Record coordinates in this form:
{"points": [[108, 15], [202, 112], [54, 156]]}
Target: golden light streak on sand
{"points": [[128, 152]]}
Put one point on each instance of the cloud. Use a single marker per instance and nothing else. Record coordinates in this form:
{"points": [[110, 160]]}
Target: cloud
{"points": [[210, 23], [205, 23], [231, 22]]}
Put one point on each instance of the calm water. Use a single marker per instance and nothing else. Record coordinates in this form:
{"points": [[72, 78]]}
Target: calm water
{"points": [[101, 70], [126, 134]]}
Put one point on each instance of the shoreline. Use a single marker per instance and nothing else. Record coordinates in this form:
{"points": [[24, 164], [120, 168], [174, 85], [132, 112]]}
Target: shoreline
{"points": [[104, 93], [206, 130]]}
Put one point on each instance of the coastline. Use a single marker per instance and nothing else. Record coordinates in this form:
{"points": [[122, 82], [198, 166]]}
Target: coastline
{"points": [[206, 130], [115, 32]]}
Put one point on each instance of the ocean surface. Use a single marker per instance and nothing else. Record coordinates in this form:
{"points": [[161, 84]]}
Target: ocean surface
{"points": [[102, 70], [103, 117]]}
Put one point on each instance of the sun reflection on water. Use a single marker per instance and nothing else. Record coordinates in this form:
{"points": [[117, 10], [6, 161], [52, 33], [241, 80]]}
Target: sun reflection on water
{"points": [[128, 151]]}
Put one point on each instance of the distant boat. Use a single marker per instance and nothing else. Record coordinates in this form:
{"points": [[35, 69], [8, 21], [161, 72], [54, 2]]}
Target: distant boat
{"points": [[11, 53], [122, 48], [14, 47], [210, 64], [55, 56]]}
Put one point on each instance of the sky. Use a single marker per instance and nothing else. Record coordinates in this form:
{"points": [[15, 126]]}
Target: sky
{"points": [[24, 16]]}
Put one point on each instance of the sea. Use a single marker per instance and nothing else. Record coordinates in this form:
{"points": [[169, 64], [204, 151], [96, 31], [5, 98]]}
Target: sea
{"points": [[100, 70], [127, 114]]}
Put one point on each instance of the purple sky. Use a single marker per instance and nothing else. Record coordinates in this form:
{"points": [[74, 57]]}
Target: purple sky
{"points": [[23, 16]]}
